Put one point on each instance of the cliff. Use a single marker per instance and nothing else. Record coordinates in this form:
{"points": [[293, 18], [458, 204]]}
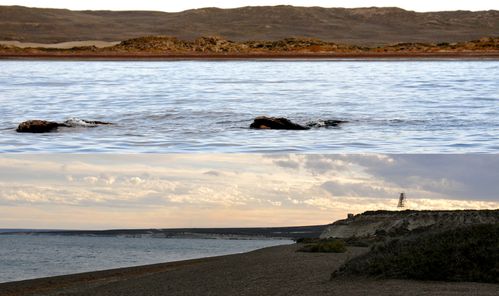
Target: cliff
{"points": [[394, 223]]}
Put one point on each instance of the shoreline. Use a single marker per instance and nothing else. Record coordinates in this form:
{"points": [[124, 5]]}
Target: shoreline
{"points": [[266, 56], [269, 271], [241, 233], [39, 285]]}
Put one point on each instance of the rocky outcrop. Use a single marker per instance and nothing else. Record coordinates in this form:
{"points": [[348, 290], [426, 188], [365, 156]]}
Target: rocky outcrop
{"points": [[37, 126], [264, 122], [292, 44], [154, 43], [216, 44], [289, 45], [395, 223], [44, 126], [168, 45]]}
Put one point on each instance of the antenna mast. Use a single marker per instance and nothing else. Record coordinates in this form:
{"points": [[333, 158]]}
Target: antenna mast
{"points": [[401, 201]]}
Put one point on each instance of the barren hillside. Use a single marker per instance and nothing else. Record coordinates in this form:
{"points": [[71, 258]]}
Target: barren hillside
{"points": [[352, 26]]}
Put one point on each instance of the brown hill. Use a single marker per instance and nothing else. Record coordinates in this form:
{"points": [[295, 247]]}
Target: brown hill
{"points": [[352, 26]]}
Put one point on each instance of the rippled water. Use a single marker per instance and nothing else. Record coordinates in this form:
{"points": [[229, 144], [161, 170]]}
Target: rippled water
{"points": [[185, 106], [26, 257]]}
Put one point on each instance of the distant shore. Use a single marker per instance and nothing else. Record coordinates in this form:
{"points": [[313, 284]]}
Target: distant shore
{"points": [[286, 233], [216, 48], [270, 271], [276, 56]]}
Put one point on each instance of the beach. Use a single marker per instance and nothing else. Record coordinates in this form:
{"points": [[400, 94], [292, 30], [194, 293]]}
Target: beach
{"points": [[269, 271], [254, 56]]}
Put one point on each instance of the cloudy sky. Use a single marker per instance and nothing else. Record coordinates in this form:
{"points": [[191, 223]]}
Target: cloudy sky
{"points": [[196, 190], [420, 5]]}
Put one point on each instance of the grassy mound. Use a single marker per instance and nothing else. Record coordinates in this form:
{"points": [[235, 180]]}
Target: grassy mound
{"points": [[463, 254], [325, 246]]}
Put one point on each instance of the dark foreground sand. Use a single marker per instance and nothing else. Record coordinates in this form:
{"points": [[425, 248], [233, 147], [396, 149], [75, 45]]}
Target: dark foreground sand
{"points": [[271, 271]]}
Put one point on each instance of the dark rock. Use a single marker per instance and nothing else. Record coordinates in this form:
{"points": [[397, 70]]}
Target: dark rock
{"points": [[96, 122], [326, 123], [37, 126], [43, 126], [263, 122]]}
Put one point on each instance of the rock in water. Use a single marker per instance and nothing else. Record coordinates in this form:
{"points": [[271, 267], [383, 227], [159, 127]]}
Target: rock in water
{"points": [[326, 123], [43, 126], [263, 122], [37, 126]]}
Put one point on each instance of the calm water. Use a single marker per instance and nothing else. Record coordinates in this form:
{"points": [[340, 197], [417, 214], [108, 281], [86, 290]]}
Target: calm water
{"points": [[25, 257], [185, 106]]}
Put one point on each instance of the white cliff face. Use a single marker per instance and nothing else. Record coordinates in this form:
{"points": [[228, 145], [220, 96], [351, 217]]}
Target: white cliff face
{"points": [[385, 222]]}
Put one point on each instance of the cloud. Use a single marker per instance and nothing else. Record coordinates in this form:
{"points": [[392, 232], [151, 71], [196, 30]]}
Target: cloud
{"points": [[212, 173], [456, 176], [350, 189], [135, 180], [421, 176], [290, 164], [317, 185]]}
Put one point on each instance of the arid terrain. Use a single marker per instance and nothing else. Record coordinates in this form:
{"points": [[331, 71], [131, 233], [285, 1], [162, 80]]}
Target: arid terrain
{"points": [[247, 32], [396, 223], [271, 271], [360, 26], [228, 233], [217, 47], [320, 267]]}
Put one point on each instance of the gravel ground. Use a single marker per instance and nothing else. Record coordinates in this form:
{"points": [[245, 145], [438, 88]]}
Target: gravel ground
{"points": [[271, 271]]}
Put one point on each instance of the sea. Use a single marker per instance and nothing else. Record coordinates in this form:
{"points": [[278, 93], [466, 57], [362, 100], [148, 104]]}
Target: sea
{"points": [[392, 106], [33, 256]]}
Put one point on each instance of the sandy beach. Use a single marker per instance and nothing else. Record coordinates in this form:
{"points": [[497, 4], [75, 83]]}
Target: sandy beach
{"points": [[270, 271], [61, 45]]}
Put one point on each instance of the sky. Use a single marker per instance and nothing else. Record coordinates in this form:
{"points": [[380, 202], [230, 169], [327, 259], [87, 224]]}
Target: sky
{"points": [[420, 5], [230, 190]]}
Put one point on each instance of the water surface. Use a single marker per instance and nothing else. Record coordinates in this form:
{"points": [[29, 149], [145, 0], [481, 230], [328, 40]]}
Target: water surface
{"points": [[33, 256], [207, 106]]}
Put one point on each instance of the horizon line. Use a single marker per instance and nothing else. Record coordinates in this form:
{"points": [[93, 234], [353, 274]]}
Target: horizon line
{"points": [[249, 6]]}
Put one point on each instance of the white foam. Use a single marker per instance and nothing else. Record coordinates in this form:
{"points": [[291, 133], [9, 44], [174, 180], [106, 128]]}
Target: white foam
{"points": [[76, 122]]}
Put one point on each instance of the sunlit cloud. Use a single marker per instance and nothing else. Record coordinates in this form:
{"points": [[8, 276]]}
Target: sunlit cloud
{"points": [[233, 190]]}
